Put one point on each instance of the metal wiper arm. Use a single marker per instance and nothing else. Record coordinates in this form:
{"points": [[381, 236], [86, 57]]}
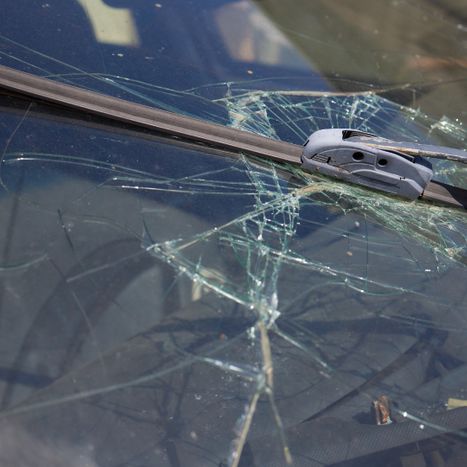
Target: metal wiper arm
{"points": [[421, 150], [326, 151]]}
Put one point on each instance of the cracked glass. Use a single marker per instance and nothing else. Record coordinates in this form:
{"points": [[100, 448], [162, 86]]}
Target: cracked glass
{"points": [[162, 304]]}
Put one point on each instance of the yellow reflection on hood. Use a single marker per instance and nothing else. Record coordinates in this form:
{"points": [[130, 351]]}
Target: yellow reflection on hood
{"points": [[111, 25]]}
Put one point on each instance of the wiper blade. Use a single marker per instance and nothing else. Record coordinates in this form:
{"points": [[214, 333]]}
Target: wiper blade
{"points": [[169, 123], [404, 172]]}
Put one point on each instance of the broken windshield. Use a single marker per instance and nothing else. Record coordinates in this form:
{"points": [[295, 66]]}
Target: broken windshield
{"points": [[166, 305]]}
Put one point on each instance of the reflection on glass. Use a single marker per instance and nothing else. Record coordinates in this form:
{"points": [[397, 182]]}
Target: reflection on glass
{"points": [[385, 44], [111, 25], [251, 37]]}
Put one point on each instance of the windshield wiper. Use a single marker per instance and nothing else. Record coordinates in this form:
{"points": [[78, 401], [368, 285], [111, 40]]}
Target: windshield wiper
{"points": [[346, 154]]}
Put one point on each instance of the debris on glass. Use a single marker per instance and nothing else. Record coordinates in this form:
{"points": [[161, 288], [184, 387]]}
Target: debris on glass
{"points": [[382, 410], [454, 403]]}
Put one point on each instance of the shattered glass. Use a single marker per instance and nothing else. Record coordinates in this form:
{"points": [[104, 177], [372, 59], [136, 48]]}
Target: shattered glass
{"points": [[164, 305]]}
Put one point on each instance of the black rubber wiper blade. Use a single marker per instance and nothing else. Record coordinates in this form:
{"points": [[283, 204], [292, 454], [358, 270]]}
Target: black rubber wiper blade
{"points": [[397, 177]]}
